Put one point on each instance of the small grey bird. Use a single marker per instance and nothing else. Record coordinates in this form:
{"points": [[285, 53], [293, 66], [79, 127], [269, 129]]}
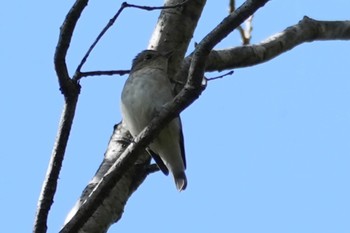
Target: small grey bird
{"points": [[145, 92]]}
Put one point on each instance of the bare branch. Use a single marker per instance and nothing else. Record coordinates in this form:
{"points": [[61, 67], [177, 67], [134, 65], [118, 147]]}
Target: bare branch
{"points": [[307, 30], [220, 76], [105, 72], [246, 31], [104, 30], [109, 181], [113, 202], [151, 8], [67, 85], [232, 6], [70, 90], [248, 28]]}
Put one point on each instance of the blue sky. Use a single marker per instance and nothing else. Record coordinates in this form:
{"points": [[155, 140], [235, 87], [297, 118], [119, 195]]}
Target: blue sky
{"points": [[267, 148]]}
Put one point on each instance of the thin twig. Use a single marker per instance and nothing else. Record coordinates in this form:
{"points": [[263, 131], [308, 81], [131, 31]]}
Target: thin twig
{"points": [[232, 6], [110, 24], [151, 8], [221, 76], [104, 72], [244, 32]]}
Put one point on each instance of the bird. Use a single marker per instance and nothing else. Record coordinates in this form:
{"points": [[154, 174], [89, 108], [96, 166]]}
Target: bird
{"points": [[145, 92]]}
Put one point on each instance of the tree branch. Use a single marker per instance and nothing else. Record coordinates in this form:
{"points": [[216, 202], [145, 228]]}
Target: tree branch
{"points": [[165, 38], [70, 90], [67, 85], [113, 202], [307, 30], [104, 72]]}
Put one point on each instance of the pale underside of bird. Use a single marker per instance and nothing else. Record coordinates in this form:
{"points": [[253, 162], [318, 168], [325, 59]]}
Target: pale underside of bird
{"points": [[144, 94]]}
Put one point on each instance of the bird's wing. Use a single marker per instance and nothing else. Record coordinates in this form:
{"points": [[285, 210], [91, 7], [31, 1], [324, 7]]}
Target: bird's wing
{"points": [[182, 144], [158, 161]]}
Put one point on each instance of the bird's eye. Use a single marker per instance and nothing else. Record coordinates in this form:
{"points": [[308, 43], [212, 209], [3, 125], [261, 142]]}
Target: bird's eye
{"points": [[148, 56]]}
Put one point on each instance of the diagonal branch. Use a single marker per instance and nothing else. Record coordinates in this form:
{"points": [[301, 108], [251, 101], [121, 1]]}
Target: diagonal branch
{"points": [[113, 202]]}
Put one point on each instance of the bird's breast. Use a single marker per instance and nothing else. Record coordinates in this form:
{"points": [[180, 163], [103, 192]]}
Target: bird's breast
{"points": [[144, 93]]}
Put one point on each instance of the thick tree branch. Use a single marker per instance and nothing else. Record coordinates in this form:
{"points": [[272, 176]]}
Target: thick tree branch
{"points": [[165, 38], [111, 187], [307, 30], [113, 202]]}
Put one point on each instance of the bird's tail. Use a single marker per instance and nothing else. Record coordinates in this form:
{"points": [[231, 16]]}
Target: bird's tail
{"points": [[180, 181]]}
